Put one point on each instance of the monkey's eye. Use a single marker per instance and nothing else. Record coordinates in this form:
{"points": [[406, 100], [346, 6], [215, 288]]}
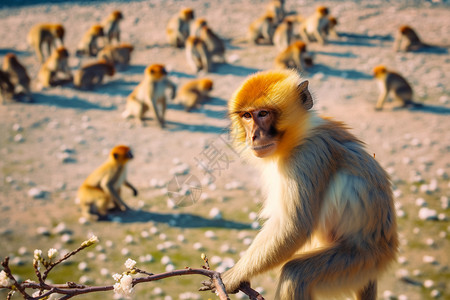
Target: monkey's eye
{"points": [[247, 115], [263, 113]]}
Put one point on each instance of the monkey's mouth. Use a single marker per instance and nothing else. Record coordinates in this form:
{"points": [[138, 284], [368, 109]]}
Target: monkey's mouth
{"points": [[259, 148]]}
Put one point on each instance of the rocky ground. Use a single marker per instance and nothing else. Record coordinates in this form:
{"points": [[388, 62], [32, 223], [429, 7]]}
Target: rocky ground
{"points": [[48, 147]]}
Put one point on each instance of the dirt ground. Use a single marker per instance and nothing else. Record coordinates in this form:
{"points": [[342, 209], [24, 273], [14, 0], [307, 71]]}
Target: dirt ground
{"points": [[48, 147]]}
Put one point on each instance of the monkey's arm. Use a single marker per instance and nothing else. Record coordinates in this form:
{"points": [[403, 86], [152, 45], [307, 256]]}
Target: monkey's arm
{"points": [[129, 185], [277, 241], [108, 187], [382, 97], [173, 89]]}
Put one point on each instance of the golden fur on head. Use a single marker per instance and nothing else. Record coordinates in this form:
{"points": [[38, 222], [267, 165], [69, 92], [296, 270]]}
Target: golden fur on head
{"points": [[59, 31], [206, 84], [187, 14], [279, 92], [62, 52], [121, 154], [378, 70], [116, 15], [322, 10], [300, 45], [405, 28], [97, 30], [156, 71]]}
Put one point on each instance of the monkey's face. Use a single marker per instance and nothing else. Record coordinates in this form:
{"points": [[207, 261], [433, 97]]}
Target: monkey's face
{"points": [[261, 134], [122, 154]]}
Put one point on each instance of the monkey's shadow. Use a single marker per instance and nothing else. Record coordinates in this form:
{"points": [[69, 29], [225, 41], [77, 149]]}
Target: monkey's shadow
{"points": [[116, 87], [64, 102], [346, 73], [359, 36], [177, 126], [432, 109], [182, 220], [227, 69], [4, 51]]}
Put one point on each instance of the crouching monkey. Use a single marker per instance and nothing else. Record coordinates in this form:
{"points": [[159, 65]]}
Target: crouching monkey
{"points": [[101, 190], [331, 222]]}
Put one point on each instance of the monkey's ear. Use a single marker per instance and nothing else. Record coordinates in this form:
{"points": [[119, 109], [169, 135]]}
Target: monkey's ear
{"points": [[305, 96]]}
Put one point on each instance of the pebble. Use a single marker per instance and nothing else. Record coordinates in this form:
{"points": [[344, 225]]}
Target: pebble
{"points": [[125, 251], [421, 202], [445, 202], [165, 260], [426, 214], [37, 193], [83, 266], [181, 238], [129, 239], [157, 291], [198, 246], [428, 259], [181, 169], [428, 283], [43, 231], [210, 235], [66, 238], [17, 127], [170, 268], [18, 138], [215, 213]]}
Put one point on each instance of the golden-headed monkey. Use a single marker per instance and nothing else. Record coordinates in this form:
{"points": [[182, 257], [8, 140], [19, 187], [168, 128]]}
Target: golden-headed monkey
{"points": [[116, 54], [262, 29], [408, 40], [214, 43], [55, 70], [194, 92], [295, 56], [150, 94], [92, 74], [313, 28], [46, 33], [284, 34], [89, 44], [197, 24], [177, 30], [392, 82], [111, 26], [6, 87], [197, 54], [18, 76], [276, 9], [101, 189], [331, 223]]}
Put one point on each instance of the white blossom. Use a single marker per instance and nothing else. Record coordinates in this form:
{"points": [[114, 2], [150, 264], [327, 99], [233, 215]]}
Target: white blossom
{"points": [[91, 241], [37, 254], [52, 253], [129, 264], [116, 276], [124, 288], [5, 281]]}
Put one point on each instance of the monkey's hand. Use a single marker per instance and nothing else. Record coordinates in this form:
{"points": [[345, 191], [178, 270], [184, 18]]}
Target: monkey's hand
{"points": [[135, 192], [208, 285]]}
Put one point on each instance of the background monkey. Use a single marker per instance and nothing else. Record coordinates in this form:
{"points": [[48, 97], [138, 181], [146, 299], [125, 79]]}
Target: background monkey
{"points": [[408, 40], [197, 25], [18, 75], [116, 54], [312, 29], [294, 56], [54, 67], [194, 92], [6, 87], [46, 33], [276, 9], [331, 222], [177, 30], [214, 44], [262, 29], [101, 189], [284, 34], [111, 26], [389, 81], [150, 94], [89, 43], [197, 54], [92, 74]]}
